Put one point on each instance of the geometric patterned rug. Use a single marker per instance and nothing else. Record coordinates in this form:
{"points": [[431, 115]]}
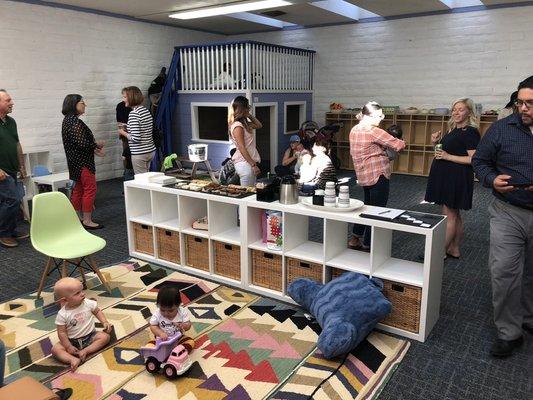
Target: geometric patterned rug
{"points": [[361, 374], [247, 346], [29, 337]]}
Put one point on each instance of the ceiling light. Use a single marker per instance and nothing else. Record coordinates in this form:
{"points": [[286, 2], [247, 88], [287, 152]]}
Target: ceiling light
{"points": [[235, 8]]}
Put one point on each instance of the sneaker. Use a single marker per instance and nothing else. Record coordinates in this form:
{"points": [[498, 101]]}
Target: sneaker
{"points": [[504, 348], [9, 242]]}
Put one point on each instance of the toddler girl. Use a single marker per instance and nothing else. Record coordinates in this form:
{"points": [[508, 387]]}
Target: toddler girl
{"points": [[170, 318]]}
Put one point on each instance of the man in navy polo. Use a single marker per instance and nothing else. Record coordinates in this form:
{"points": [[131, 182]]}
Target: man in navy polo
{"points": [[504, 162]]}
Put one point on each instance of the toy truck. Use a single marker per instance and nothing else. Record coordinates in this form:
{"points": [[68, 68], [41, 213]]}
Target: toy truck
{"points": [[173, 359]]}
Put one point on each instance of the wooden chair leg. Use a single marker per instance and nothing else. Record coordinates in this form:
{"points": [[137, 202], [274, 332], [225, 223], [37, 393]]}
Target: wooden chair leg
{"points": [[82, 272], [64, 269], [96, 270], [45, 274]]}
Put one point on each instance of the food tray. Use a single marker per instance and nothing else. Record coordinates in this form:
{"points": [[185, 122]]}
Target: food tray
{"points": [[240, 194]]}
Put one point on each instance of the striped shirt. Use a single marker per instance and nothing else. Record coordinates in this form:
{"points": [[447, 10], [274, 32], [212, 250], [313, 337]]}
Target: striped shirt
{"points": [[507, 149], [140, 128], [367, 148]]}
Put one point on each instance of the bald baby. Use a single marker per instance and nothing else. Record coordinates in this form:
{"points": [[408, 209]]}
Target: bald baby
{"points": [[65, 287]]}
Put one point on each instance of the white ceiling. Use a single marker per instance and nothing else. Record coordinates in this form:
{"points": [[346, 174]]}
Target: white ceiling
{"points": [[302, 12]]}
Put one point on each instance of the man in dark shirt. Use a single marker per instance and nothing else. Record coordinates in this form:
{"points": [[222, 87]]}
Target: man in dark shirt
{"points": [[504, 162], [122, 121], [11, 165]]}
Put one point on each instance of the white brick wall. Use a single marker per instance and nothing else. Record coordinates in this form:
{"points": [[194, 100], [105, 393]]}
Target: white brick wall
{"points": [[49, 52], [424, 62]]}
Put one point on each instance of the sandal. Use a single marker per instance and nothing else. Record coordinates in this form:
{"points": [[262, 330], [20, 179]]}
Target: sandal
{"points": [[92, 228], [63, 394]]}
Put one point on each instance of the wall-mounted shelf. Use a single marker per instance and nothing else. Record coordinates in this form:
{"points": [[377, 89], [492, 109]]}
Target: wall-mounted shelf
{"points": [[235, 228]]}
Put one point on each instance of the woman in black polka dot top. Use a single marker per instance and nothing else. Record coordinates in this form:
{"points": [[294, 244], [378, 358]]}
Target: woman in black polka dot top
{"points": [[80, 148]]}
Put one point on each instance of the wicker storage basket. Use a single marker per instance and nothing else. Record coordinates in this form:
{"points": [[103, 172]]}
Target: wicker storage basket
{"points": [[336, 272], [266, 270], [405, 301], [168, 245], [197, 252], [228, 260], [144, 238], [303, 269]]}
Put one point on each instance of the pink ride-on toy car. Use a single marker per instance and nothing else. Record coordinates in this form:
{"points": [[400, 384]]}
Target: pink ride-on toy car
{"points": [[174, 359]]}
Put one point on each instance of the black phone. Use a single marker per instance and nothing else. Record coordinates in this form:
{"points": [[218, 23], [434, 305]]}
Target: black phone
{"points": [[510, 182]]}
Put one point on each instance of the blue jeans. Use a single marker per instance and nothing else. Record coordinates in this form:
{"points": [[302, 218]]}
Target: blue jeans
{"points": [[375, 195], [11, 194], [2, 362]]}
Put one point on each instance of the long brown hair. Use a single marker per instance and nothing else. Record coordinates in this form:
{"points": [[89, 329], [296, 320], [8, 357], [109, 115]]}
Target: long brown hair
{"points": [[237, 112]]}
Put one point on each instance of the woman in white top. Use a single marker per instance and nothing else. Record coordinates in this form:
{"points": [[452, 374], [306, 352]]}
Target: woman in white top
{"points": [[241, 124], [140, 129]]}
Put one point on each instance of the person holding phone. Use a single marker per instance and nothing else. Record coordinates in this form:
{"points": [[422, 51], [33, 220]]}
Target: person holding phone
{"points": [[504, 162], [451, 178], [241, 124]]}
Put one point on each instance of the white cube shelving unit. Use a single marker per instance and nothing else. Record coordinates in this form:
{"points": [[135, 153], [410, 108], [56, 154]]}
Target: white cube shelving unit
{"points": [[237, 222]]}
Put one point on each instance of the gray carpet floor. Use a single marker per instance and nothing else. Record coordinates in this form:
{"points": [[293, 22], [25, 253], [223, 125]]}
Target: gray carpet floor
{"points": [[452, 364]]}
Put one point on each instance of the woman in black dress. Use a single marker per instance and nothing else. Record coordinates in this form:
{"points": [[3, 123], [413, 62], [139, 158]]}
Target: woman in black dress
{"points": [[451, 178]]}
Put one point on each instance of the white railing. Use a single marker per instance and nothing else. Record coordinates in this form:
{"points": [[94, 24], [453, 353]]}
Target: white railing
{"points": [[226, 68]]}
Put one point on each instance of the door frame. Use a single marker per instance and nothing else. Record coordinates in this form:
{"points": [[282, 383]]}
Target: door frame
{"points": [[273, 131]]}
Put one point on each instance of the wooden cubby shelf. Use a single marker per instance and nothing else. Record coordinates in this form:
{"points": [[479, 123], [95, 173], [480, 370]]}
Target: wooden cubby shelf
{"points": [[417, 157]]}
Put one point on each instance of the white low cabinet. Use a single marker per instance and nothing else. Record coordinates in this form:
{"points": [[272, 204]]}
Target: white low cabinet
{"points": [[237, 222]]}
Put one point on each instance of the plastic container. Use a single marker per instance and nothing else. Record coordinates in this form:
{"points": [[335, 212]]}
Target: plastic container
{"points": [[197, 152], [274, 230], [344, 197], [318, 197], [330, 198]]}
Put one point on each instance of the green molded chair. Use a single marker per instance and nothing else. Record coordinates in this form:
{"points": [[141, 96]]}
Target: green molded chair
{"points": [[57, 232]]}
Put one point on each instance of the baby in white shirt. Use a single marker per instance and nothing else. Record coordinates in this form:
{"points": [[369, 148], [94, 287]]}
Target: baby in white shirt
{"points": [[75, 324]]}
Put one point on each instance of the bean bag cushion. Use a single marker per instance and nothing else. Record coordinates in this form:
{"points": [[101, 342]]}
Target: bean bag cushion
{"points": [[347, 309]]}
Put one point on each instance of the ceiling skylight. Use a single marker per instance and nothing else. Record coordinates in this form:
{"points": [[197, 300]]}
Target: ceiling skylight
{"points": [[259, 19], [234, 8], [344, 8], [461, 3]]}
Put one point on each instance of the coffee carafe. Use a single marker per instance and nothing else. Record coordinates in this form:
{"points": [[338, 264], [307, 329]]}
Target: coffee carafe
{"points": [[288, 193]]}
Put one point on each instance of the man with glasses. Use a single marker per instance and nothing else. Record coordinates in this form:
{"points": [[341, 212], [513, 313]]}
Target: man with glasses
{"points": [[11, 169], [504, 162]]}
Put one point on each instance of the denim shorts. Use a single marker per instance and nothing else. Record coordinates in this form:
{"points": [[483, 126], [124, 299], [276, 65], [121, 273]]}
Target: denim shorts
{"points": [[82, 342]]}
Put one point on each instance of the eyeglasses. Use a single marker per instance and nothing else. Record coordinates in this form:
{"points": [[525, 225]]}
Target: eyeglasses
{"points": [[527, 103]]}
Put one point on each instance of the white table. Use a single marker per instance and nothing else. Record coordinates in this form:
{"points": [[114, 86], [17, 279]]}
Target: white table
{"points": [[54, 180]]}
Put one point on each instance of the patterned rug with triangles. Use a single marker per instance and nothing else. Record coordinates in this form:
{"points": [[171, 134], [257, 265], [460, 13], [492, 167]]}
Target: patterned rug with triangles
{"points": [[247, 346]]}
